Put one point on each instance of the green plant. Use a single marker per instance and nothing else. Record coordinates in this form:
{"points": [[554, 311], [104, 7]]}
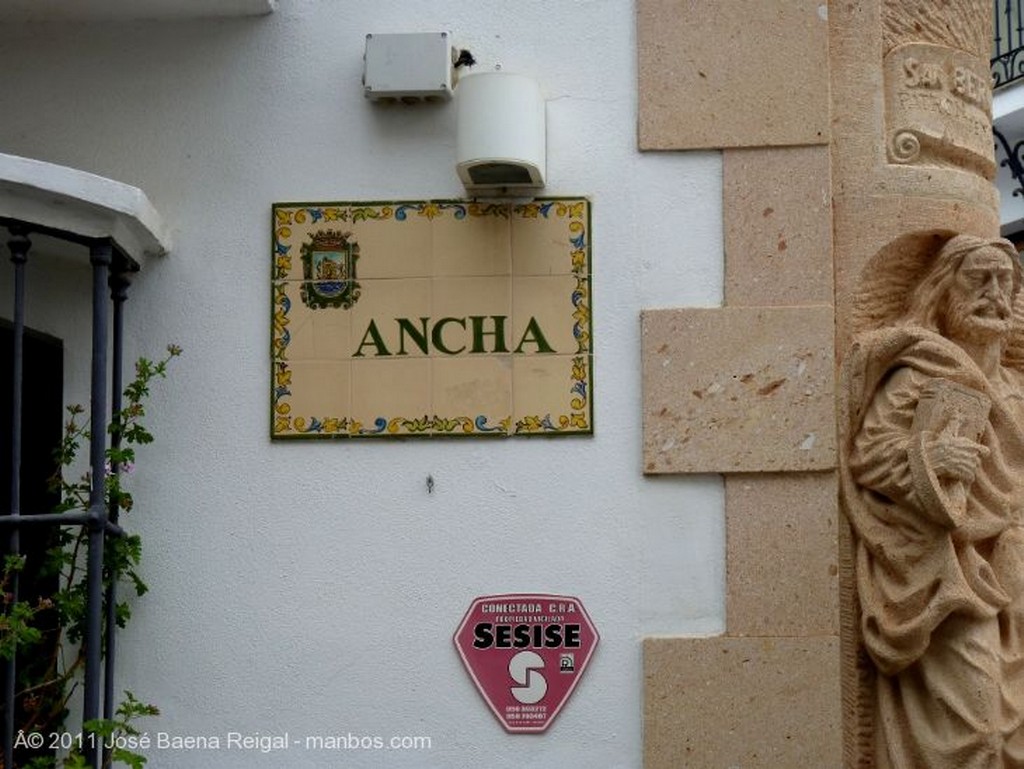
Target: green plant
{"points": [[53, 625], [118, 736], [16, 628]]}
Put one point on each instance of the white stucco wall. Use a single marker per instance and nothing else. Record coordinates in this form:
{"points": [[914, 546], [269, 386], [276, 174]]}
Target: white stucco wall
{"points": [[314, 587]]}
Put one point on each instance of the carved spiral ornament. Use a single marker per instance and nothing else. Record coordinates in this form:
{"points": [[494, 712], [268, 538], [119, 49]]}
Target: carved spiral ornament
{"points": [[905, 147]]}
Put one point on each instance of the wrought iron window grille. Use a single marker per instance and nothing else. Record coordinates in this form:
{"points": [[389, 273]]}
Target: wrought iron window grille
{"points": [[112, 269], [1007, 62]]}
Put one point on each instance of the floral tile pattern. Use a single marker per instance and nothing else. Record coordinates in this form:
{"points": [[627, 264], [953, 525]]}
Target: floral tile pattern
{"points": [[431, 318]]}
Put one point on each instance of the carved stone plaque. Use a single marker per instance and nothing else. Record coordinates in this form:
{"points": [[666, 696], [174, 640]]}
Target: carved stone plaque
{"points": [[938, 108]]}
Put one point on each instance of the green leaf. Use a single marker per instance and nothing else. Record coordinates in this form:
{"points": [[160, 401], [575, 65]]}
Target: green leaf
{"points": [[13, 563], [41, 762], [101, 727], [134, 760]]}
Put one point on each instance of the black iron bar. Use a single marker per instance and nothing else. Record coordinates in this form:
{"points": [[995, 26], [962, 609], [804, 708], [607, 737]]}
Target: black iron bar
{"points": [[998, 38], [19, 245], [1020, 24], [119, 282], [1009, 24], [101, 256]]}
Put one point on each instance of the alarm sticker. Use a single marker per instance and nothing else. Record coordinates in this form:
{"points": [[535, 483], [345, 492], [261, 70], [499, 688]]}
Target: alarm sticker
{"points": [[526, 653]]}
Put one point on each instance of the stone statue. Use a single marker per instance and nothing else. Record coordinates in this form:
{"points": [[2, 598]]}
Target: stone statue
{"points": [[933, 485]]}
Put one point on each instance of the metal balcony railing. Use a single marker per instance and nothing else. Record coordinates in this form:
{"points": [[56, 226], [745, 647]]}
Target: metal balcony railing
{"points": [[1008, 42]]}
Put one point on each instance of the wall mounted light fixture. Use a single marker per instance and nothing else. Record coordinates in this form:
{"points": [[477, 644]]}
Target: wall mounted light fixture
{"points": [[501, 143]]}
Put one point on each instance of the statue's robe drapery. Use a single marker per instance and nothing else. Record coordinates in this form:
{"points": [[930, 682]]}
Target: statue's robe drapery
{"points": [[939, 584]]}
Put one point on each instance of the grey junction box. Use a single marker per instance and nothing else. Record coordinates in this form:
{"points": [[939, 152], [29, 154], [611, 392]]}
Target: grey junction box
{"points": [[409, 66]]}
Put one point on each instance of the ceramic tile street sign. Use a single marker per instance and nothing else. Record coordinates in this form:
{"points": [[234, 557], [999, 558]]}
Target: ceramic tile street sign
{"points": [[526, 654], [431, 318]]}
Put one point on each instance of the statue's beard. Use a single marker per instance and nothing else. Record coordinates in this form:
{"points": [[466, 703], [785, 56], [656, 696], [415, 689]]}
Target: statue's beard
{"points": [[979, 320]]}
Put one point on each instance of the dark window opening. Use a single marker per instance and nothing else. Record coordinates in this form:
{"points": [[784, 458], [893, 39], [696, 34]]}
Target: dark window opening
{"points": [[42, 426]]}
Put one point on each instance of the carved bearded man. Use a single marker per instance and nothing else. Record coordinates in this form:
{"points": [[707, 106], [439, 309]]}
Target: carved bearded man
{"points": [[934, 489]]}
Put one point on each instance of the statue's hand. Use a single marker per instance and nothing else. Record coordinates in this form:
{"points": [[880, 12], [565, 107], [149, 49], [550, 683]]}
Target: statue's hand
{"points": [[953, 456]]}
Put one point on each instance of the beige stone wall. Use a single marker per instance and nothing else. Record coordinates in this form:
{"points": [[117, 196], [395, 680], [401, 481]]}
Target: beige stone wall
{"points": [[825, 164], [750, 387], [713, 54]]}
